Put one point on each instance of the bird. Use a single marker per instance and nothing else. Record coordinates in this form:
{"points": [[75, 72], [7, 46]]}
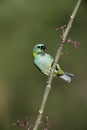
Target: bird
{"points": [[44, 62]]}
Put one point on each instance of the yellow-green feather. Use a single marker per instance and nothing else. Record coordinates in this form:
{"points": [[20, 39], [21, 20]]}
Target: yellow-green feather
{"points": [[60, 71], [34, 54]]}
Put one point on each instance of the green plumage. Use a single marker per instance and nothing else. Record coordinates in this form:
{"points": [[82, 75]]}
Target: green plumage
{"points": [[44, 62]]}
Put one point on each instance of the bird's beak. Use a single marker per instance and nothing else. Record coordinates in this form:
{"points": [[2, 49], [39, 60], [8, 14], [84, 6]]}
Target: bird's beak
{"points": [[43, 48]]}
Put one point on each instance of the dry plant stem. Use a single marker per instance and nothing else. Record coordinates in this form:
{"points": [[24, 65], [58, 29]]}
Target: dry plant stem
{"points": [[50, 78]]}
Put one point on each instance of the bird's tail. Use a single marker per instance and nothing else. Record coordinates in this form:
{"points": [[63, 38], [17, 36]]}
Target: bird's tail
{"points": [[67, 76]]}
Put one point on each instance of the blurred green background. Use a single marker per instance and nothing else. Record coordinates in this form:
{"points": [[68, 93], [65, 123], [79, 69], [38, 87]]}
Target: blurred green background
{"points": [[23, 23]]}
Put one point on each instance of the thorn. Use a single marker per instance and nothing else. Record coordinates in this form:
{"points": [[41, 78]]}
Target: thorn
{"points": [[46, 123], [62, 28], [23, 123], [62, 41], [70, 41]]}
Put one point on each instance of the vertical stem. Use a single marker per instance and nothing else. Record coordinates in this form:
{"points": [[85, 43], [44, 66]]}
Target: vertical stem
{"points": [[50, 78]]}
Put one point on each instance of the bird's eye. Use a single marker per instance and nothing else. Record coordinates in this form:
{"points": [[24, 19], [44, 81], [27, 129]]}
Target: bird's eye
{"points": [[41, 47], [38, 47]]}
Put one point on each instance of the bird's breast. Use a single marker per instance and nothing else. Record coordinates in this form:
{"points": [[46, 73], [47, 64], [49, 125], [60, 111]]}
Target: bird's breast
{"points": [[43, 62]]}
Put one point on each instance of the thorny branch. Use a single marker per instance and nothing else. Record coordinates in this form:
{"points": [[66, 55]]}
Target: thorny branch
{"points": [[58, 54]]}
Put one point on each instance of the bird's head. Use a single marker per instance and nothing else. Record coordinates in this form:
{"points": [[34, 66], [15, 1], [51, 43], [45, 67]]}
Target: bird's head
{"points": [[38, 49]]}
